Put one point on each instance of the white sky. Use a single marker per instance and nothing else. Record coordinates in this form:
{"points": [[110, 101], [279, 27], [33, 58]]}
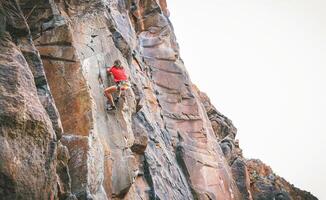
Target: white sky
{"points": [[263, 64]]}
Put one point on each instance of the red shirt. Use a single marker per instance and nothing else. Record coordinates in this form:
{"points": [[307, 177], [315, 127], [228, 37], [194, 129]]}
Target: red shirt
{"points": [[119, 74]]}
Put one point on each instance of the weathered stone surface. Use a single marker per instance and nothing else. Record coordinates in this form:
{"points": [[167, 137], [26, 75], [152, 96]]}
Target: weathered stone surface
{"points": [[267, 185], [65, 77], [27, 139], [199, 153], [78, 148], [241, 176], [165, 141], [222, 126], [141, 138], [30, 125], [254, 179], [20, 32], [124, 176], [85, 167], [63, 175]]}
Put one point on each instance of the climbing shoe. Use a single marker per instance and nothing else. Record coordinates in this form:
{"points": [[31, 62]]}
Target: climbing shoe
{"points": [[109, 107]]}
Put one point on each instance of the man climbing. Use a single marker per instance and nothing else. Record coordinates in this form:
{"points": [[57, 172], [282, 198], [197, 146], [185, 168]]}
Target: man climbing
{"points": [[121, 83]]}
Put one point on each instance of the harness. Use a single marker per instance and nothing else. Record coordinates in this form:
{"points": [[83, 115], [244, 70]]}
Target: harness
{"points": [[122, 85]]}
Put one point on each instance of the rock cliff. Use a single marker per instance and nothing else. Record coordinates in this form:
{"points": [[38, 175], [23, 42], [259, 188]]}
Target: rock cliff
{"points": [[165, 141]]}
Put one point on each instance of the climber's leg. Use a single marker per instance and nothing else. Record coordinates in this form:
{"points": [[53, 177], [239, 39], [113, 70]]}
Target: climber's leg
{"points": [[116, 100], [121, 86], [108, 93]]}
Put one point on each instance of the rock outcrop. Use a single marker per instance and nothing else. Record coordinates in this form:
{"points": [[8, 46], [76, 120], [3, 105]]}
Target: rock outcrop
{"points": [[165, 141], [254, 179]]}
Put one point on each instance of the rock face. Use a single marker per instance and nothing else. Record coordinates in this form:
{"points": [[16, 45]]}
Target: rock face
{"points": [[266, 185], [165, 141], [254, 179]]}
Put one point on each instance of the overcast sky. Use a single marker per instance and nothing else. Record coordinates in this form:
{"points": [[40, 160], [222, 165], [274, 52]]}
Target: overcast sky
{"points": [[263, 64]]}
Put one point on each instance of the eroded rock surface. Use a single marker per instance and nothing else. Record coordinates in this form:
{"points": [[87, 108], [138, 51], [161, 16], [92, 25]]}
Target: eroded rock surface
{"points": [[254, 179], [267, 185], [165, 141], [29, 122]]}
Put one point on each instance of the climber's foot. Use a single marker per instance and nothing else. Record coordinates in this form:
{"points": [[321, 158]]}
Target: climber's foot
{"points": [[110, 107]]}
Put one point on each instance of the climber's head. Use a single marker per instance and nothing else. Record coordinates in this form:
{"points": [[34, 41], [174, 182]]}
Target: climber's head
{"points": [[117, 63]]}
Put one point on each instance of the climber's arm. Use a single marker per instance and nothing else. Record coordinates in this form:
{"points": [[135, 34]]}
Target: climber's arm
{"points": [[109, 73], [108, 70]]}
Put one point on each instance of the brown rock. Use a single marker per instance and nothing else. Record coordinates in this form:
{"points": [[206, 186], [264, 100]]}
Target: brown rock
{"points": [[267, 185], [62, 169], [141, 138], [165, 140], [241, 176], [254, 179], [27, 140], [140, 144], [85, 166]]}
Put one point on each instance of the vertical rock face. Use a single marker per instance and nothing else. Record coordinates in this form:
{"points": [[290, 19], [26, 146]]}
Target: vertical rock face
{"points": [[29, 122], [27, 138], [165, 141]]}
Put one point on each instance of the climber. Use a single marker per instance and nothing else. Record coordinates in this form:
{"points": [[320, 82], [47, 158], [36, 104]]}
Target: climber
{"points": [[121, 83]]}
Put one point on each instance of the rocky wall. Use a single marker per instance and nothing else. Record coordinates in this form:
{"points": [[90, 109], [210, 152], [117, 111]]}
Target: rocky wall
{"points": [[254, 179], [30, 127], [164, 141]]}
